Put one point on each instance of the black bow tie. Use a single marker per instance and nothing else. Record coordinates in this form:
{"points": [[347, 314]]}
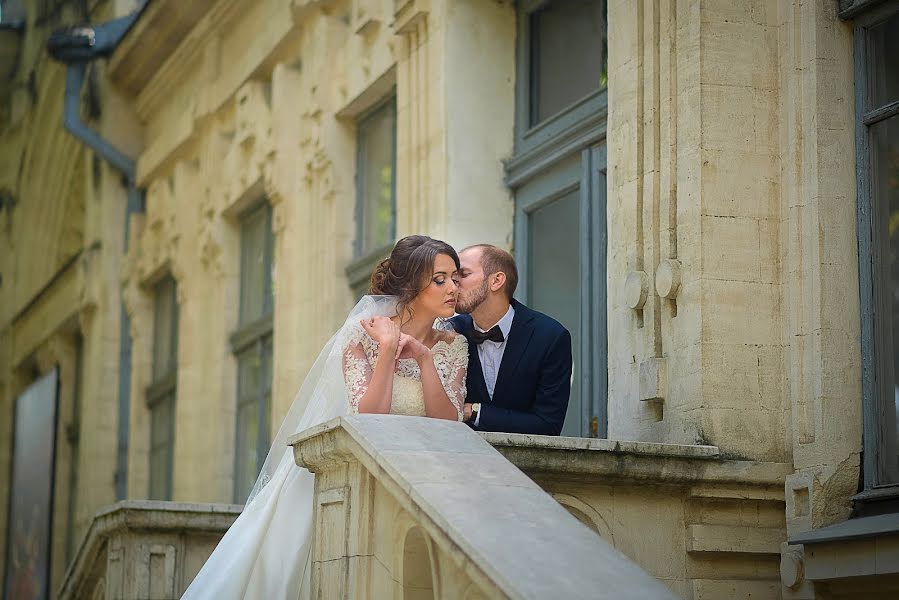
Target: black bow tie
{"points": [[494, 335]]}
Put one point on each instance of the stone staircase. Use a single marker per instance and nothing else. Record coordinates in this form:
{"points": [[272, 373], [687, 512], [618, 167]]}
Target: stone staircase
{"points": [[407, 507]]}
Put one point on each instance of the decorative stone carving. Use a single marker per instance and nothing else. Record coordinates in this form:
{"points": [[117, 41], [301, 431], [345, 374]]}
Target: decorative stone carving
{"points": [[791, 566], [407, 14], [653, 379], [668, 277], [636, 289], [250, 152], [366, 17]]}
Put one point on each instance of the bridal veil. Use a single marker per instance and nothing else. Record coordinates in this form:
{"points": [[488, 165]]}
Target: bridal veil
{"points": [[267, 551]]}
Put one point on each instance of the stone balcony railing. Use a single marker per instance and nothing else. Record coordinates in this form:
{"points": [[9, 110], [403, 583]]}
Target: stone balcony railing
{"points": [[420, 508], [407, 507], [145, 550], [708, 526]]}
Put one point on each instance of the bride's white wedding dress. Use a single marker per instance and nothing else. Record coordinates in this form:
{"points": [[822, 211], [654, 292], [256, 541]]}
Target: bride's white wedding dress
{"points": [[266, 553]]}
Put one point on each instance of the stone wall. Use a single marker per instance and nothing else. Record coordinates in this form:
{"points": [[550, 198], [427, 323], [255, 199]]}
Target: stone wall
{"points": [[61, 240], [732, 175], [279, 123]]}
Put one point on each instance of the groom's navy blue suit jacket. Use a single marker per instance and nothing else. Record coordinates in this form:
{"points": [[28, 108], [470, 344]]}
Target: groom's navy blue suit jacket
{"points": [[534, 378]]}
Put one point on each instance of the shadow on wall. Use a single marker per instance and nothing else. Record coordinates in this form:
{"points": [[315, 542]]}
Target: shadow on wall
{"points": [[418, 582]]}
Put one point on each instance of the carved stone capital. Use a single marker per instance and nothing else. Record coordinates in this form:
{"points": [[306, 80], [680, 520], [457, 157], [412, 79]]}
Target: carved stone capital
{"points": [[409, 14]]}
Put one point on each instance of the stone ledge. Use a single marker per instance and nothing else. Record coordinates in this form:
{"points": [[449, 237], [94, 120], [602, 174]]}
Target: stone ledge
{"points": [[572, 443], [591, 459], [853, 529]]}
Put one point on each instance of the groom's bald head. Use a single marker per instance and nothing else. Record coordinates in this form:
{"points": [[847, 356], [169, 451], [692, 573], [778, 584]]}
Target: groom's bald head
{"points": [[496, 260]]}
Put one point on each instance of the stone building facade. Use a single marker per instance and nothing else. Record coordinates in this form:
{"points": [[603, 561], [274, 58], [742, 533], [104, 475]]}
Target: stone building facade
{"points": [[700, 190]]}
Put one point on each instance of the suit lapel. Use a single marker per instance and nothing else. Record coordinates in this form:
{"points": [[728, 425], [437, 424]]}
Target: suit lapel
{"points": [[475, 379], [519, 338]]}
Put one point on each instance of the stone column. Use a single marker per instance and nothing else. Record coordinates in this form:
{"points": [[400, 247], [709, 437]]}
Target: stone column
{"points": [[695, 323]]}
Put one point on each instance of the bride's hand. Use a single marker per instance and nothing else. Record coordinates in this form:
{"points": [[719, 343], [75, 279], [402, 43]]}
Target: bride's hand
{"points": [[384, 331], [409, 347]]}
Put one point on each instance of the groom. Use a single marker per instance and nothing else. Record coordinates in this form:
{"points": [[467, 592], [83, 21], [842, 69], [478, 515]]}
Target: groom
{"points": [[519, 360]]}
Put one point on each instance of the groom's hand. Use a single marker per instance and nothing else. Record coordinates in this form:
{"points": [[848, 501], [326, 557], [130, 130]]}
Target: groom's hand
{"points": [[466, 412]]}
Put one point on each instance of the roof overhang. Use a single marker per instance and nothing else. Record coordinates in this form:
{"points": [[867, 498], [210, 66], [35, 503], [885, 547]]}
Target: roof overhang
{"points": [[150, 42]]}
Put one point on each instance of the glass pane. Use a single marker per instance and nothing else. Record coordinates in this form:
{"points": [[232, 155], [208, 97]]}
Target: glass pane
{"points": [[265, 409], [247, 437], [883, 73], [159, 435], [885, 188], [568, 54], [376, 172], [161, 447], [157, 474], [249, 368], [254, 388], [255, 279], [554, 281], [165, 348]]}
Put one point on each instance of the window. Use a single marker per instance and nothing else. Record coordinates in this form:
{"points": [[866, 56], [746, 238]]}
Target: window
{"points": [[375, 192], [565, 39], [877, 110], [252, 346], [161, 392], [558, 175], [562, 66]]}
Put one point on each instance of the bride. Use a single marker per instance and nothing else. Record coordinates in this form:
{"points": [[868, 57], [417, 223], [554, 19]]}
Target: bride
{"points": [[388, 357]]}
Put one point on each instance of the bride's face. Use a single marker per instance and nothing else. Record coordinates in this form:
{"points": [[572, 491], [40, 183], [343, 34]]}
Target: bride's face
{"points": [[438, 298]]}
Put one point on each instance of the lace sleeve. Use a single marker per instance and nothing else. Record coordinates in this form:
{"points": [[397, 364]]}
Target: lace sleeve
{"points": [[357, 371], [452, 367]]}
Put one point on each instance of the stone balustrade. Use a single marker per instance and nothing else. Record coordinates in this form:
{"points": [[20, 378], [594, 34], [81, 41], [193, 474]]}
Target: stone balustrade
{"points": [[706, 525], [421, 508], [139, 550], [408, 507]]}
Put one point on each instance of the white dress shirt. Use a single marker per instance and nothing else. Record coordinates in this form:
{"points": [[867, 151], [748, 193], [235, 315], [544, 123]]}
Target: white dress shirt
{"points": [[491, 353]]}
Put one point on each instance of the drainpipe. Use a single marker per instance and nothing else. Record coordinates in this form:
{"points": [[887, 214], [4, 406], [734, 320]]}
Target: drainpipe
{"points": [[76, 47]]}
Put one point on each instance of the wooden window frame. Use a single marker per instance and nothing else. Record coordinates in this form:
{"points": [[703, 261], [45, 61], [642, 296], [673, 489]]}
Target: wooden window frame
{"points": [[876, 317], [563, 130], [584, 171], [365, 259], [255, 334], [163, 388], [565, 151]]}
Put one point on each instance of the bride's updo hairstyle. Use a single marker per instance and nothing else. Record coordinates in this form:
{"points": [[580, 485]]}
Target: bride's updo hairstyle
{"points": [[408, 269]]}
